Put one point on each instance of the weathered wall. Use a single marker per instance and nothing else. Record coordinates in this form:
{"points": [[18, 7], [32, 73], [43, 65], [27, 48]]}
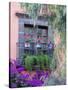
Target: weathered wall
{"points": [[14, 7]]}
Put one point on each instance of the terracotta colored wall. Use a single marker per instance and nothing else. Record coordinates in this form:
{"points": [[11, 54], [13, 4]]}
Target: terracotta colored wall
{"points": [[14, 7]]}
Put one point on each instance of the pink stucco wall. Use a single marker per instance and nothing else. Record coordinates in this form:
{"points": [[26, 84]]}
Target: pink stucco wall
{"points": [[14, 7]]}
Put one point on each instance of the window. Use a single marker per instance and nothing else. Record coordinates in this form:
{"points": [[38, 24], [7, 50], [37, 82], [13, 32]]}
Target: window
{"points": [[30, 37], [44, 32]]}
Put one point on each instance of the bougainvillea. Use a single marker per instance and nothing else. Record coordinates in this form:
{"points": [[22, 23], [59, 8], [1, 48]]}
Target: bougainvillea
{"points": [[21, 77]]}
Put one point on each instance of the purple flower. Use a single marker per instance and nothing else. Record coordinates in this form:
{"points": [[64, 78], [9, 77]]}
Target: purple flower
{"points": [[35, 77], [12, 68], [16, 62], [25, 76], [40, 73], [34, 82], [20, 69], [13, 85]]}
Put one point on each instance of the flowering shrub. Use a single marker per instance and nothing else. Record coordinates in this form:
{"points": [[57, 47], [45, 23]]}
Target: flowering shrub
{"points": [[22, 78]]}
